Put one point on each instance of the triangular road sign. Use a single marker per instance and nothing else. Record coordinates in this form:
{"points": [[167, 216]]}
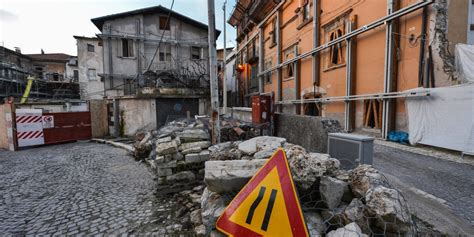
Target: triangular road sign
{"points": [[267, 205]]}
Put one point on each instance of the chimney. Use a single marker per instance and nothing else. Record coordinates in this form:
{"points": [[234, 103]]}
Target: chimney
{"points": [[17, 49]]}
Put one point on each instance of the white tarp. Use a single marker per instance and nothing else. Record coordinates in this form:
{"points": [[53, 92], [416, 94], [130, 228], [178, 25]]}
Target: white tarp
{"points": [[465, 62], [443, 119]]}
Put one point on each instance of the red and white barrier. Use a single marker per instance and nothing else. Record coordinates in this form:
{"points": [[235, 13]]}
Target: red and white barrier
{"points": [[29, 125]]}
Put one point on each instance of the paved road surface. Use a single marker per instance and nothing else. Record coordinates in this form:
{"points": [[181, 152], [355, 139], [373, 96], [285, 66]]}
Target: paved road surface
{"points": [[453, 182], [73, 188]]}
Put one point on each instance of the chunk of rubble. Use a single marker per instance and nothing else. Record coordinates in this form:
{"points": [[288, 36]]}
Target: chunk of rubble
{"points": [[212, 206], [350, 230], [389, 208], [308, 168], [201, 144], [183, 176], [231, 175], [332, 190], [315, 223], [261, 143], [166, 148], [192, 135], [365, 177]]}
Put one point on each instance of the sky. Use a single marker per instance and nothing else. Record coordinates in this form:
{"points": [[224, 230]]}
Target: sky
{"points": [[33, 25]]}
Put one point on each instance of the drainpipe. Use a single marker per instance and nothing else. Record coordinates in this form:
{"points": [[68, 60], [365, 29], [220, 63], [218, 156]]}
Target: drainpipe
{"points": [[260, 60], [278, 56]]}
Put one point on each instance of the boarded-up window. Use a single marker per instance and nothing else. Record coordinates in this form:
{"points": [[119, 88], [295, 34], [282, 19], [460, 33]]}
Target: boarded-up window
{"points": [[91, 74], [164, 23], [289, 70], [335, 30], [373, 114]]}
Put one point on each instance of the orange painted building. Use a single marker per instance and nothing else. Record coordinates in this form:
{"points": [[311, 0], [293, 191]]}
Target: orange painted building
{"points": [[279, 30]]}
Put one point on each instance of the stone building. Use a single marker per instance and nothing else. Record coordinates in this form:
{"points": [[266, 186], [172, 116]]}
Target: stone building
{"points": [[90, 63]]}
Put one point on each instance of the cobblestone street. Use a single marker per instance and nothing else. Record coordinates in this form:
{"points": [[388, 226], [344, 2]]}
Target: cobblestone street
{"points": [[74, 188]]}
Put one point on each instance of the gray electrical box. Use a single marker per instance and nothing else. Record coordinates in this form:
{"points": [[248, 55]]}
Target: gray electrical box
{"points": [[351, 150]]}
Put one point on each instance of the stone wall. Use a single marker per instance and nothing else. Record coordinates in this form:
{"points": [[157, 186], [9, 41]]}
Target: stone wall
{"points": [[314, 129]]}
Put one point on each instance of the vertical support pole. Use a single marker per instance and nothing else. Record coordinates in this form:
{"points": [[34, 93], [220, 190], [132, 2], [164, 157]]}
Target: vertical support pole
{"points": [[315, 58], [111, 69], [137, 43], [388, 74], [260, 59], [278, 60], [349, 75], [297, 81], [224, 75], [215, 128], [116, 117]]}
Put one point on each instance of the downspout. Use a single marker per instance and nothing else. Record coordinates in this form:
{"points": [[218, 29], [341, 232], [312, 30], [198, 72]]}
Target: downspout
{"points": [[260, 60], [297, 81]]}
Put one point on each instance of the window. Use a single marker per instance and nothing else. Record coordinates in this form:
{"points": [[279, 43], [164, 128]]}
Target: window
{"points": [[90, 48], [195, 52], [76, 75], [306, 12], [91, 74], [336, 52], [164, 23], [127, 48], [165, 53], [274, 36], [290, 68], [268, 76]]}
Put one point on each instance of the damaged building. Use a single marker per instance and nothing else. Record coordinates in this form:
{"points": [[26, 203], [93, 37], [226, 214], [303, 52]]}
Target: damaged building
{"points": [[154, 59], [349, 60], [54, 75]]}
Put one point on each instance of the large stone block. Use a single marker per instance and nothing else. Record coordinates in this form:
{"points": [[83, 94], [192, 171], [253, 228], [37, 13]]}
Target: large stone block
{"points": [[193, 135], [332, 190], [201, 144], [166, 148], [231, 175], [261, 143], [365, 177], [192, 158]]}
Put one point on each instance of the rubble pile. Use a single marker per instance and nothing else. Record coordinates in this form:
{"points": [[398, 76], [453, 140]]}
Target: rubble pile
{"points": [[335, 202], [176, 151]]}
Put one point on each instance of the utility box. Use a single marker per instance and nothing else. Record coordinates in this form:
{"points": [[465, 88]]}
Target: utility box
{"points": [[351, 150], [261, 109]]}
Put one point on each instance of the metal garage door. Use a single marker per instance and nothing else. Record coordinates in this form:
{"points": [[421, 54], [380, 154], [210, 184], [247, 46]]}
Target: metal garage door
{"points": [[169, 109]]}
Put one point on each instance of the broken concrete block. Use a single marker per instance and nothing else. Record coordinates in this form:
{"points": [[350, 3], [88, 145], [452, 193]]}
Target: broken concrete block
{"points": [[160, 160], [192, 158], [350, 230], [183, 176], [261, 143], [356, 212], [201, 144], [331, 191], [365, 177], [212, 206], [166, 148], [308, 168], [390, 209], [204, 155], [195, 217], [163, 171], [200, 231], [191, 150], [163, 140], [315, 223], [265, 154], [230, 175], [193, 135]]}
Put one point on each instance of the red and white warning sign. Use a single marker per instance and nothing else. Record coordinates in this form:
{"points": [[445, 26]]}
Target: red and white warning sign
{"points": [[48, 121], [29, 126]]}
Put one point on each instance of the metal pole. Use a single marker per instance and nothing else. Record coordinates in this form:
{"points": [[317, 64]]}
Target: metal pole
{"points": [[315, 43], [224, 76], [349, 68], [278, 60], [215, 128], [260, 60], [388, 75]]}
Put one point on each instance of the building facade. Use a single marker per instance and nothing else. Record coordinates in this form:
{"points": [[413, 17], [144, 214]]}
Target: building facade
{"points": [[146, 49], [91, 65], [298, 50]]}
